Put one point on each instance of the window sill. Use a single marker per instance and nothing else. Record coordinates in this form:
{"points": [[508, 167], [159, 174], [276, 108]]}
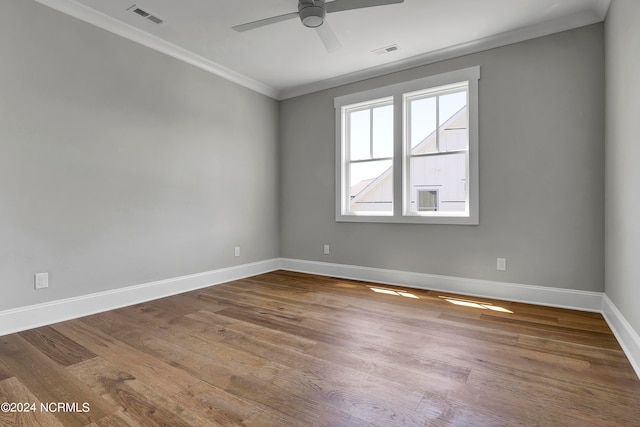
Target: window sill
{"points": [[411, 219]]}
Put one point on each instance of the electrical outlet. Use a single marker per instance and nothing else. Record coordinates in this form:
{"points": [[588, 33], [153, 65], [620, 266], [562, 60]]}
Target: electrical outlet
{"points": [[501, 265], [327, 250], [41, 280], [236, 251]]}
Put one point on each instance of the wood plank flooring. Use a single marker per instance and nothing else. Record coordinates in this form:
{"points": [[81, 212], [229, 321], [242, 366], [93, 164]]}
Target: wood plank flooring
{"points": [[292, 349]]}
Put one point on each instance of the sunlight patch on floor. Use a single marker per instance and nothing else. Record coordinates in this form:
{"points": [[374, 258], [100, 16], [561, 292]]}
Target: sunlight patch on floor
{"points": [[393, 292], [476, 304]]}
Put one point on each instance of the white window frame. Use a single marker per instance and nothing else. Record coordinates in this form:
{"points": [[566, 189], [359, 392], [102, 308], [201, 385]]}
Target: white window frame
{"points": [[436, 92], [398, 93], [370, 105]]}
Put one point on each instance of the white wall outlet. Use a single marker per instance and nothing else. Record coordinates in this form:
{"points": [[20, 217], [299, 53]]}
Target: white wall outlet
{"points": [[41, 280], [501, 265], [327, 250], [236, 251]]}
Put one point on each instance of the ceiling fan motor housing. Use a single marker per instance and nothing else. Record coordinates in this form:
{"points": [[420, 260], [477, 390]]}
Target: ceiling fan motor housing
{"points": [[311, 12]]}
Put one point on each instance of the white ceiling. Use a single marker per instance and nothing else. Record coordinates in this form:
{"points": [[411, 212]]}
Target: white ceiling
{"points": [[287, 59]]}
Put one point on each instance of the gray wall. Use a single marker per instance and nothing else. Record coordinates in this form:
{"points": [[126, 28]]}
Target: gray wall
{"points": [[622, 261], [541, 173], [120, 165]]}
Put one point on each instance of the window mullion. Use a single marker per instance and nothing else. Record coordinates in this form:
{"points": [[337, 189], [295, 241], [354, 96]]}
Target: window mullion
{"points": [[398, 155], [347, 164], [371, 133], [438, 123], [405, 141]]}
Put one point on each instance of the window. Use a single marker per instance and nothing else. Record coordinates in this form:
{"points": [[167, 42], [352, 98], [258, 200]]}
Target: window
{"points": [[409, 152], [437, 137], [369, 138]]}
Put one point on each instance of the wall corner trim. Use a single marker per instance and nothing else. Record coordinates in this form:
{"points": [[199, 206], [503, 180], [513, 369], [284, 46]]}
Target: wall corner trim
{"points": [[625, 334], [33, 316]]}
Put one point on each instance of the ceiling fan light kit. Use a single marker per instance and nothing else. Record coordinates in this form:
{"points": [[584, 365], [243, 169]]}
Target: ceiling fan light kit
{"points": [[312, 15]]}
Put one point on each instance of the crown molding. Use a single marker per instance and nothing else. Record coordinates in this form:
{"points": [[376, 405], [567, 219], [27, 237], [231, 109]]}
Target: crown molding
{"points": [[106, 22], [597, 13], [601, 7], [569, 22]]}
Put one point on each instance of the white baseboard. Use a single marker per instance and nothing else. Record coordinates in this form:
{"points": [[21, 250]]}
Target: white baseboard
{"points": [[564, 298], [33, 316], [540, 295], [625, 334]]}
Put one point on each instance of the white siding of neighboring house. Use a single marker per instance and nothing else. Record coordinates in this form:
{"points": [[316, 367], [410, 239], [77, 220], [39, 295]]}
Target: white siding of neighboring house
{"points": [[445, 173], [376, 197]]}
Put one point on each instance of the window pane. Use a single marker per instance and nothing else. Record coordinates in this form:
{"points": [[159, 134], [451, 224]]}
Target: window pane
{"points": [[454, 132], [371, 186], [360, 134], [423, 125], [383, 131], [445, 174]]}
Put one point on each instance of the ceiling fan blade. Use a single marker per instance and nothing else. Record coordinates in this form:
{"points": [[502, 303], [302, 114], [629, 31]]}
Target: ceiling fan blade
{"points": [[340, 5], [328, 37], [263, 22]]}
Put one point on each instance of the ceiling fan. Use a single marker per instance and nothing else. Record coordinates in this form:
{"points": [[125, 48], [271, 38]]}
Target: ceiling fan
{"points": [[312, 14]]}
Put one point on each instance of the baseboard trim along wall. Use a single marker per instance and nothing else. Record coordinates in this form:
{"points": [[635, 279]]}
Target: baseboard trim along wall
{"points": [[540, 295], [33, 316], [625, 334], [555, 297]]}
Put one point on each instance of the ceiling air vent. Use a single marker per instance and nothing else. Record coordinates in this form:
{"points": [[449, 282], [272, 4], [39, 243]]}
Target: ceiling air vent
{"points": [[387, 49], [146, 14], [155, 19]]}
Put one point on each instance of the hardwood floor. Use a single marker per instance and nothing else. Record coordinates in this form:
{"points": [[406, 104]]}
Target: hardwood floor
{"points": [[291, 349]]}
